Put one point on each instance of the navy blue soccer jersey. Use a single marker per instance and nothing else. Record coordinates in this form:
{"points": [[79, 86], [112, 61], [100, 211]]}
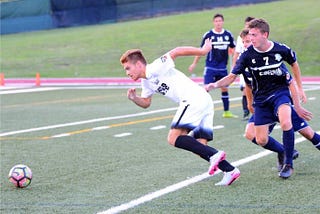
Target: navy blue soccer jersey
{"points": [[217, 58], [269, 75]]}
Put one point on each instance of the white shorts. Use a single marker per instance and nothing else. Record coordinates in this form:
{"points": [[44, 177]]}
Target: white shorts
{"points": [[196, 116]]}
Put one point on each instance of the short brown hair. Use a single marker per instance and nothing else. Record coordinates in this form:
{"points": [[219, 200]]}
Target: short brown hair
{"points": [[218, 15], [133, 56], [248, 19], [244, 32], [260, 24]]}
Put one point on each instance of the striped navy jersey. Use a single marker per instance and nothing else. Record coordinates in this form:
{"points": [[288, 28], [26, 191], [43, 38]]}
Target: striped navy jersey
{"points": [[268, 73], [217, 58]]}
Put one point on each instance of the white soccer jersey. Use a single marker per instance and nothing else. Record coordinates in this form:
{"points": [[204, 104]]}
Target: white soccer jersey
{"points": [[195, 111], [239, 47], [163, 78]]}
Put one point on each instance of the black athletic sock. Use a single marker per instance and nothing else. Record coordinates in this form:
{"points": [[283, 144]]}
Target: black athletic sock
{"points": [[190, 144], [225, 100], [254, 141], [244, 103], [225, 166]]}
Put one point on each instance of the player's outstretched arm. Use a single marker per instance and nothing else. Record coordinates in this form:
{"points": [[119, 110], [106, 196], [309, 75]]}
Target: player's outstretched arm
{"points": [[224, 82], [139, 101], [191, 51]]}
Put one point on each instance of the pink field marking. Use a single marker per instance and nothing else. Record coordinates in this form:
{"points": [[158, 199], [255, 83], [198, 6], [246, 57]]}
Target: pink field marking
{"points": [[103, 81]]}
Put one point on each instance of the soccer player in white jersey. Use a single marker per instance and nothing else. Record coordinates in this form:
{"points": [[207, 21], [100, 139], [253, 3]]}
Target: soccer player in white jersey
{"points": [[195, 111]]}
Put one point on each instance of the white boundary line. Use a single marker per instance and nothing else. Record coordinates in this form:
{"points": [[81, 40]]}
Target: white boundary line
{"points": [[182, 184], [95, 120]]}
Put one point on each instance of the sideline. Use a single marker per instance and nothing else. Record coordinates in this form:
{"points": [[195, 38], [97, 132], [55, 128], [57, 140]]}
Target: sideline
{"points": [[182, 184]]}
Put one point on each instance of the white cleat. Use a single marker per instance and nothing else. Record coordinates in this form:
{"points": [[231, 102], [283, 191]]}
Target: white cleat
{"points": [[229, 177]]}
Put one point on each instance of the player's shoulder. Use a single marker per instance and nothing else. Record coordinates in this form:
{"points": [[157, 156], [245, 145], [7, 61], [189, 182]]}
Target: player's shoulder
{"points": [[278, 45], [228, 32], [249, 51], [207, 34]]}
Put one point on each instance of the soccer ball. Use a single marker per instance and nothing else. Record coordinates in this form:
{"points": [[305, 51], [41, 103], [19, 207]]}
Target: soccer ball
{"points": [[20, 175]]}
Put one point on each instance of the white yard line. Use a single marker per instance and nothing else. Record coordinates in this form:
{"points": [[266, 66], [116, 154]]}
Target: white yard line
{"points": [[28, 90], [95, 120]]}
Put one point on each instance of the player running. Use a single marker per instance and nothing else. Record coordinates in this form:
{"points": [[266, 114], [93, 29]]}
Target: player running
{"points": [[195, 111]]}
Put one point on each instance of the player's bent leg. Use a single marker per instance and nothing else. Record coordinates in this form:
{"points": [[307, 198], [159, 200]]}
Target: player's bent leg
{"points": [[174, 134]]}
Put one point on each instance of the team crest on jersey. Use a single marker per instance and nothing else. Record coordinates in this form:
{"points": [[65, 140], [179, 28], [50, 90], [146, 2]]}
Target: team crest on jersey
{"points": [[163, 59], [278, 57], [253, 61], [226, 38]]}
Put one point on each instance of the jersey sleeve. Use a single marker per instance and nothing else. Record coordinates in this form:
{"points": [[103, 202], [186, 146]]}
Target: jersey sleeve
{"points": [[160, 65], [289, 55], [240, 66], [239, 45]]}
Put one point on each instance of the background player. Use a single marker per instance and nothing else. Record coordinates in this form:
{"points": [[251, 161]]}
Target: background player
{"points": [[217, 59], [240, 47]]}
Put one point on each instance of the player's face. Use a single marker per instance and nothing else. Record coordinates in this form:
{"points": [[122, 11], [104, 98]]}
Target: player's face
{"points": [[218, 23], [257, 38], [133, 70], [246, 41]]}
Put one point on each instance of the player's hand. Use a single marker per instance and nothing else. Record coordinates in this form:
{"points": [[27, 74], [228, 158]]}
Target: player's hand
{"points": [[131, 94], [207, 45], [210, 86], [250, 108], [191, 67], [303, 96], [303, 113]]}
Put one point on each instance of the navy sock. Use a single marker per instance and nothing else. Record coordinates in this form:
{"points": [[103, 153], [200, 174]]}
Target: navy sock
{"points": [[254, 141], [225, 166], [288, 143], [316, 140], [225, 100], [244, 103], [192, 145], [274, 146]]}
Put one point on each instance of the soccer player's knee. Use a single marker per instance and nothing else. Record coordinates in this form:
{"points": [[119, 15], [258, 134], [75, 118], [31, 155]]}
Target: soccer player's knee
{"points": [[249, 135], [171, 140], [262, 141], [286, 125]]}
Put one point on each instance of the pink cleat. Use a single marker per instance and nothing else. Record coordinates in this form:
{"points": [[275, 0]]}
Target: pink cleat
{"points": [[215, 160]]}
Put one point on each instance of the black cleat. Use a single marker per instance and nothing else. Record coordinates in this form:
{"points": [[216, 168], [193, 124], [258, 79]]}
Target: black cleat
{"points": [[295, 154], [286, 171]]}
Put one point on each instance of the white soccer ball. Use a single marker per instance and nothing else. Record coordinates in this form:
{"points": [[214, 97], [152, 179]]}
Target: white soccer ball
{"points": [[20, 175]]}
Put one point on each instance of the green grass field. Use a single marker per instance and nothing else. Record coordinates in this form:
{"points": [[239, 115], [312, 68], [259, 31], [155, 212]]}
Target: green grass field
{"points": [[94, 51], [71, 139]]}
